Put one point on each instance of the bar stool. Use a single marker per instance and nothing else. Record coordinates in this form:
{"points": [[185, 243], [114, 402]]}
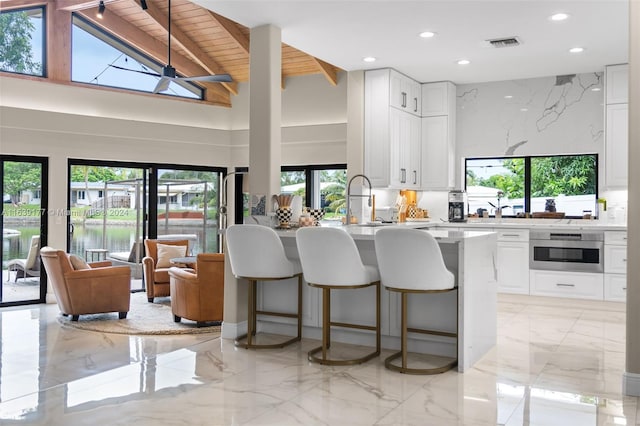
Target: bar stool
{"points": [[331, 261], [410, 261], [256, 254]]}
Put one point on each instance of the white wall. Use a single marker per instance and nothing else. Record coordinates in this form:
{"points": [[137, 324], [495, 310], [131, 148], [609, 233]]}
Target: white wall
{"points": [[63, 121], [538, 116]]}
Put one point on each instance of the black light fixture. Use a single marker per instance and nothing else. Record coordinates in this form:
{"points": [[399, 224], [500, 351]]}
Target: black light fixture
{"points": [[143, 4], [101, 9]]}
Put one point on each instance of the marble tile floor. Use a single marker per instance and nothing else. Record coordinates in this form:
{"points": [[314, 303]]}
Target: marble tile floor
{"points": [[557, 362]]}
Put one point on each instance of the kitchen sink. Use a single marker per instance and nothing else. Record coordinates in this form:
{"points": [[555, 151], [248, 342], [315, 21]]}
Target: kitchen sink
{"points": [[375, 224]]}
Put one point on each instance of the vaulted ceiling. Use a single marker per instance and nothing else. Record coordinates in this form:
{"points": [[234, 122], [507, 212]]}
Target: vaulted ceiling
{"points": [[202, 43]]}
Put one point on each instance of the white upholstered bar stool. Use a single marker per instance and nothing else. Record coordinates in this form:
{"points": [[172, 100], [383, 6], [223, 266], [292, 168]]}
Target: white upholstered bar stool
{"points": [[256, 254], [331, 261], [410, 261]]}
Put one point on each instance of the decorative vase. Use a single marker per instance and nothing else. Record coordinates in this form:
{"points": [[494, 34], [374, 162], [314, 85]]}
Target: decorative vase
{"points": [[317, 215], [284, 216]]}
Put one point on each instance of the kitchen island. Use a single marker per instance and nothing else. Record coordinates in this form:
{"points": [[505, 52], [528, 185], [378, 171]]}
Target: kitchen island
{"points": [[470, 255]]}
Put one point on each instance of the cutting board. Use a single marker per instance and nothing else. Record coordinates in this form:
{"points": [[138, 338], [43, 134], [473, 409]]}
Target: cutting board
{"points": [[547, 215]]}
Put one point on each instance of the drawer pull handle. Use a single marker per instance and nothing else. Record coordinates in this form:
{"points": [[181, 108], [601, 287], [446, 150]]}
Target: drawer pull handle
{"points": [[624, 289], [565, 285], [624, 260], [510, 235]]}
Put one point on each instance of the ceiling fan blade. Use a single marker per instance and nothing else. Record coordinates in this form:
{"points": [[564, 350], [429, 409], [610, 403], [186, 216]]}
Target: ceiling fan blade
{"points": [[138, 71], [217, 78], [163, 84]]}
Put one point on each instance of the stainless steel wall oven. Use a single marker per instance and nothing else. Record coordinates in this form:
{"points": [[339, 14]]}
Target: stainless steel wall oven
{"points": [[567, 251]]}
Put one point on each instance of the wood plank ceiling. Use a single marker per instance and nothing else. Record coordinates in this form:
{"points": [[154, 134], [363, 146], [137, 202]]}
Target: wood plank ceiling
{"points": [[202, 43]]}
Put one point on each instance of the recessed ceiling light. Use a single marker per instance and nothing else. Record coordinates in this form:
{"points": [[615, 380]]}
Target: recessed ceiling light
{"points": [[524, 109], [559, 17], [463, 62], [596, 89], [576, 50], [427, 34], [508, 96], [369, 59]]}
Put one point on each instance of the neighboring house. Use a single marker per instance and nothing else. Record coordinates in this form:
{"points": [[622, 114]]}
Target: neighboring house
{"points": [[180, 196], [87, 194]]}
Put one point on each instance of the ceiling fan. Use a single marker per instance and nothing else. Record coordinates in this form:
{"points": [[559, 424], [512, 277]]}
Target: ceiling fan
{"points": [[168, 72]]}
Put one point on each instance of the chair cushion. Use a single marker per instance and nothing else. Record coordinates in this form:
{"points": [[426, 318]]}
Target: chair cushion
{"points": [[167, 252], [78, 263]]}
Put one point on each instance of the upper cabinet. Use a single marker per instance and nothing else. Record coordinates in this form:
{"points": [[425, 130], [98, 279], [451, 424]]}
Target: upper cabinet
{"points": [[409, 132], [391, 133], [437, 98], [616, 126], [405, 93], [438, 135], [617, 84]]}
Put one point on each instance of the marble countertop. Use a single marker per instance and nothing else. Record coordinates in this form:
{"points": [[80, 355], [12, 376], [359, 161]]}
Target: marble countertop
{"points": [[367, 231], [512, 223]]}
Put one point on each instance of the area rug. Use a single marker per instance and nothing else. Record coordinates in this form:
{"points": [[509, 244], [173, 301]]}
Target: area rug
{"points": [[143, 318]]}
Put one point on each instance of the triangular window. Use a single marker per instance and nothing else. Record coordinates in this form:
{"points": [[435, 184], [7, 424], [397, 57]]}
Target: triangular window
{"points": [[98, 58]]}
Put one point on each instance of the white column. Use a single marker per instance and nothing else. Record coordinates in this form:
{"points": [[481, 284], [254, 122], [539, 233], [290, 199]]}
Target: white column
{"points": [[631, 378], [265, 112], [355, 140]]}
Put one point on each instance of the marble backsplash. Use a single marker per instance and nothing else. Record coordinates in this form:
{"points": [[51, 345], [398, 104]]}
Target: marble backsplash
{"points": [[538, 116]]}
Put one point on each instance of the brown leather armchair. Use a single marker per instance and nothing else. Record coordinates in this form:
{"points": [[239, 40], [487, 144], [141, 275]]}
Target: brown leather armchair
{"points": [[97, 289], [199, 296], [156, 279]]}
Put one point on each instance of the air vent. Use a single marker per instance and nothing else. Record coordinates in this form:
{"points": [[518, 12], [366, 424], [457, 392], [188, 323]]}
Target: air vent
{"points": [[504, 42]]}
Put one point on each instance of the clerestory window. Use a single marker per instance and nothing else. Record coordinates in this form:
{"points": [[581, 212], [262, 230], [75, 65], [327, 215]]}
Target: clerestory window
{"points": [[22, 41], [99, 58]]}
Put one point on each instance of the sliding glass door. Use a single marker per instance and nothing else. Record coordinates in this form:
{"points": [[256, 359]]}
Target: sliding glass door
{"points": [[114, 206], [24, 222]]}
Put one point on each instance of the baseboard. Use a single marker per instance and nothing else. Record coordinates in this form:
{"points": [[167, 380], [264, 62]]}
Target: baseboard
{"points": [[231, 330], [631, 384]]}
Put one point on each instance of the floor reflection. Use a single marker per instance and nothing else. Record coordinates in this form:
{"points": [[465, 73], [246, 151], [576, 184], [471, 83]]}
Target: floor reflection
{"points": [[554, 365]]}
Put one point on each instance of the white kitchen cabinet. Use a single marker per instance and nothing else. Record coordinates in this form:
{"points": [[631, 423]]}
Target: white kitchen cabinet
{"points": [[616, 145], [438, 98], [438, 153], [615, 266], [615, 259], [405, 93], [615, 287], [404, 148], [392, 135], [513, 261], [438, 135], [617, 84], [580, 285]]}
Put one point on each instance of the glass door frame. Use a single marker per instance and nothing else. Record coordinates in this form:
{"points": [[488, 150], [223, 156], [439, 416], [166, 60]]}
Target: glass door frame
{"points": [[44, 215], [150, 181]]}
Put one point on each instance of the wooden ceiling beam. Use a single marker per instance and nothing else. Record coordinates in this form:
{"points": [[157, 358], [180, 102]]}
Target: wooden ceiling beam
{"points": [[77, 5], [122, 29], [192, 49], [233, 31], [328, 70]]}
